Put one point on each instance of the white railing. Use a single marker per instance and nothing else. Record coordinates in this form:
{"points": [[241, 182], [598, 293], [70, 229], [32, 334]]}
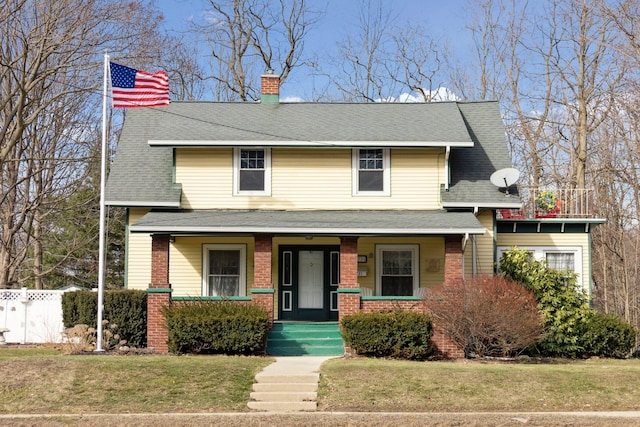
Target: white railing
{"points": [[572, 203]]}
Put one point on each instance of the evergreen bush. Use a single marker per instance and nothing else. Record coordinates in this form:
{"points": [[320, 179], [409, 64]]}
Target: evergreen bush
{"points": [[124, 308], [606, 335], [396, 334], [572, 328], [217, 327]]}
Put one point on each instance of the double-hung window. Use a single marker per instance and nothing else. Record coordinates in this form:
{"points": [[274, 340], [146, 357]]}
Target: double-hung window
{"points": [[224, 270], [397, 270], [371, 172], [252, 171], [562, 258]]}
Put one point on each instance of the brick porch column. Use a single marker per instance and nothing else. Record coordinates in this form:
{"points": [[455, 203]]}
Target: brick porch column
{"points": [[453, 258], [262, 292], [158, 294], [349, 289]]}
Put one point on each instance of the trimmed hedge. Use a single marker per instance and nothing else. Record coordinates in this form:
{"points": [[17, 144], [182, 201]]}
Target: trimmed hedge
{"points": [[217, 327], [396, 334], [125, 308]]}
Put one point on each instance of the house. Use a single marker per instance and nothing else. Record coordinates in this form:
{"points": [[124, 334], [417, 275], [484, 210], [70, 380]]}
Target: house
{"points": [[319, 210]]}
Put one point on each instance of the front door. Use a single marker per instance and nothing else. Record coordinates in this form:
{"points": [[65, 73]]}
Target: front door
{"points": [[308, 285]]}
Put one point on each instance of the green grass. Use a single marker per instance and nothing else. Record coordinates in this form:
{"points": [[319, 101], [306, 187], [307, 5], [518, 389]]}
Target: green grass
{"points": [[382, 385], [46, 381]]}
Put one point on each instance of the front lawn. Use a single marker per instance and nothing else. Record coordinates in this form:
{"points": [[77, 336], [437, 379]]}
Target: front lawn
{"points": [[45, 381], [39, 381], [467, 386]]}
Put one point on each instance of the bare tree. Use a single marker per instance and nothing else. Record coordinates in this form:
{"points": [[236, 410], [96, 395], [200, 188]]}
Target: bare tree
{"points": [[248, 37], [50, 72]]}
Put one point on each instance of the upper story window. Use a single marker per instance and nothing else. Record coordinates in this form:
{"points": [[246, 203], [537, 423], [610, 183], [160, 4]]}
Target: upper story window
{"points": [[252, 171], [371, 172]]}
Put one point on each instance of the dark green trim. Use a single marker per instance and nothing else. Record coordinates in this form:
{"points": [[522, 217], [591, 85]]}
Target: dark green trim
{"points": [[389, 298], [349, 290], [205, 298], [269, 99], [263, 291], [158, 290]]}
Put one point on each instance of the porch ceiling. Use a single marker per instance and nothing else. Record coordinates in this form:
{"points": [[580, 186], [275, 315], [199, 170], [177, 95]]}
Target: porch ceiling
{"points": [[346, 222]]}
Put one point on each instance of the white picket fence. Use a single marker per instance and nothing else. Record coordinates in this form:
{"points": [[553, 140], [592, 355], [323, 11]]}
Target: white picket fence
{"points": [[32, 316]]}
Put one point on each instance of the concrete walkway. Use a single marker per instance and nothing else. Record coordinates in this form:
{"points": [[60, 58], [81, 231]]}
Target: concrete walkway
{"points": [[288, 384]]}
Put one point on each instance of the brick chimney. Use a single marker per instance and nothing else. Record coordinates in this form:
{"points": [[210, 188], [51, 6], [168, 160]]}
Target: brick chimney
{"points": [[270, 90]]}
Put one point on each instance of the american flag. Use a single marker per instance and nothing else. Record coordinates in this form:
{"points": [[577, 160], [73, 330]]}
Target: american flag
{"points": [[131, 88]]}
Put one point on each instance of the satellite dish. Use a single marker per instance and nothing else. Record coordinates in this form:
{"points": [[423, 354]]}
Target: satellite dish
{"points": [[505, 178]]}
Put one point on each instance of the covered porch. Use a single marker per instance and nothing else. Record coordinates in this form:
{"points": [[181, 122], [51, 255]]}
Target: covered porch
{"points": [[310, 265]]}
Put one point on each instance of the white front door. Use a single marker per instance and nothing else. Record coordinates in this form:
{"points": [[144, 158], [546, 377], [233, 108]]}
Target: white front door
{"points": [[311, 279]]}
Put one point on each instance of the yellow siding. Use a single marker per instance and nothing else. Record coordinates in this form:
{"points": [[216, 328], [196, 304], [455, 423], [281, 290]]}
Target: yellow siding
{"points": [[553, 240], [309, 179], [185, 263], [484, 248], [431, 259], [138, 254]]}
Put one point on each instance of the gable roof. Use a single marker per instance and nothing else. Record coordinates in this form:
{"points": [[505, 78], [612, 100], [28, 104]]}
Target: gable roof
{"points": [[142, 172], [471, 168]]}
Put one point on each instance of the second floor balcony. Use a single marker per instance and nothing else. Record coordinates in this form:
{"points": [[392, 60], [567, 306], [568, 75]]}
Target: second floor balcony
{"points": [[552, 203]]}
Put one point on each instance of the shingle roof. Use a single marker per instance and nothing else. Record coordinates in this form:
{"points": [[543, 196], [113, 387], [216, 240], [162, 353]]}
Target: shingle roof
{"points": [[358, 222], [141, 175], [471, 168]]}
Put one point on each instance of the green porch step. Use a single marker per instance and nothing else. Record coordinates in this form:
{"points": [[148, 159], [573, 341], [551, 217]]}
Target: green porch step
{"points": [[305, 339]]}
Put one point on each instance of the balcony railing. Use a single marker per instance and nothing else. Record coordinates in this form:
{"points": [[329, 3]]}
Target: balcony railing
{"points": [[571, 203]]}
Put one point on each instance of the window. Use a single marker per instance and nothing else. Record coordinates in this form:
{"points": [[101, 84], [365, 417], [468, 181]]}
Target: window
{"points": [[563, 261], [371, 172], [563, 258], [252, 171], [224, 272], [397, 270]]}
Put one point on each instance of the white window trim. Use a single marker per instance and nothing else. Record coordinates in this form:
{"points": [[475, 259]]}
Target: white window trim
{"points": [[386, 174], [540, 254], [415, 249], [242, 289], [236, 172]]}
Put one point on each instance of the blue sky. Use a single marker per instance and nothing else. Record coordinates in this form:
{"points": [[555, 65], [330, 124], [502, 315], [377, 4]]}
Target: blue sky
{"points": [[445, 20]]}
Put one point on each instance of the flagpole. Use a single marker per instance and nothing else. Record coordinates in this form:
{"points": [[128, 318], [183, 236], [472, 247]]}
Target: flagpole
{"points": [[103, 173]]}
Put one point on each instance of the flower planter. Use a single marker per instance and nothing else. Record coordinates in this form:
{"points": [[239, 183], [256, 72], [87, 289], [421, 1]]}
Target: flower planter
{"points": [[548, 214]]}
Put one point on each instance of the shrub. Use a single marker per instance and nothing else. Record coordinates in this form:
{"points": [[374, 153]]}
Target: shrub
{"points": [[487, 316], [217, 327], [606, 335], [572, 328], [124, 308], [396, 334]]}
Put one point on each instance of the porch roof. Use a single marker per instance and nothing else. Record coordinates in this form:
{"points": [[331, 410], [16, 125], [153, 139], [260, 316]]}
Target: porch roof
{"points": [[316, 222]]}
